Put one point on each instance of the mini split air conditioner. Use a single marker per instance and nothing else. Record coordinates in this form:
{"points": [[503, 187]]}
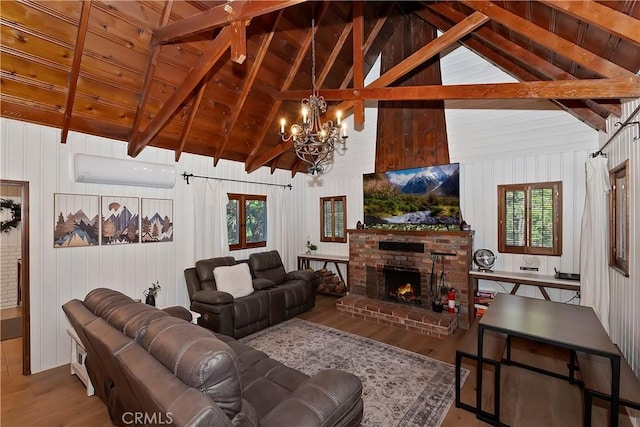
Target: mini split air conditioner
{"points": [[107, 170]]}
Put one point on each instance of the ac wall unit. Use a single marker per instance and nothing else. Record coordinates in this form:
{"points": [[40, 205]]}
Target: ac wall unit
{"points": [[107, 170]]}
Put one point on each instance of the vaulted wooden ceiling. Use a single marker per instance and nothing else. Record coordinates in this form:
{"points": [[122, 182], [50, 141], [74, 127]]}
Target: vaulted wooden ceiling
{"points": [[214, 77]]}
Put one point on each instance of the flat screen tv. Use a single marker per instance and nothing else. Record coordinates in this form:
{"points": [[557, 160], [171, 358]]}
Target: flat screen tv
{"points": [[428, 195]]}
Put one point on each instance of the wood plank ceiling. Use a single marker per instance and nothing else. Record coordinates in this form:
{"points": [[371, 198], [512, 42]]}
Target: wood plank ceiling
{"points": [[214, 77]]}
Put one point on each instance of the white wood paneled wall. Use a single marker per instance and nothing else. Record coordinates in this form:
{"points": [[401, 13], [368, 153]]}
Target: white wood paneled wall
{"points": [[624, 317], [33, 153]]}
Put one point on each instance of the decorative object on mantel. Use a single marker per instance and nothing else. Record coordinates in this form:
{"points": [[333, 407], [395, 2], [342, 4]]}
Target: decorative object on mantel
{"points": [[15, 215], [311, 247], [151, 293], [314, 141], [359, 226]]}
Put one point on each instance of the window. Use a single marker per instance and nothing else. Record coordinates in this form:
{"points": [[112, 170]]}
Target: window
{"points": [[530, 218], [619, 220], [333, 219], [246, 221]]}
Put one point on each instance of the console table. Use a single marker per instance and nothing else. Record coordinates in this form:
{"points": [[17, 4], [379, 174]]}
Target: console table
{"points": [[304, 261], [529, 279]]}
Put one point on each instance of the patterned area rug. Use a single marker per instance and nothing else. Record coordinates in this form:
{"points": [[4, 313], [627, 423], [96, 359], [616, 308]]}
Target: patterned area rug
{"points": [[400, 388]]}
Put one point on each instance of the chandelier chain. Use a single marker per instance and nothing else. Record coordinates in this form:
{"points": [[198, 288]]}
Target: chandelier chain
{"points": [[313, 56]]}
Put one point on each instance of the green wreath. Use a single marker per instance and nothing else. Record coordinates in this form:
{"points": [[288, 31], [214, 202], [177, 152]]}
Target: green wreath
{"points": [[8, 225]]}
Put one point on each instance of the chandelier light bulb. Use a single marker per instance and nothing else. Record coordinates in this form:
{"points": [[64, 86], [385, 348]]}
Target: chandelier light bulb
{"points": [[304, 114], [282, 123], [339, 117], [344, 130]]}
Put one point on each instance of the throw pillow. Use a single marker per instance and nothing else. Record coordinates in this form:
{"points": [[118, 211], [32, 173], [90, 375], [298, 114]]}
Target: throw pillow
{"points": [[234, 279]]}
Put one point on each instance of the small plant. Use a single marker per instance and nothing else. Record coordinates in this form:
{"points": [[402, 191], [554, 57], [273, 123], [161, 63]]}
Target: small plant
{"points": [[153, 290], [311, 246]]}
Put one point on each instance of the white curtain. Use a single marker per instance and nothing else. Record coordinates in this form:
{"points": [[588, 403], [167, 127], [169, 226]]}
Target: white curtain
{"points": [[594, 242], [279, 224], [210, 219]]}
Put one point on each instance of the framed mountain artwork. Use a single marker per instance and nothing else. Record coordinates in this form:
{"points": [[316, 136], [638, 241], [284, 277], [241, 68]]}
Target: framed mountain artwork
{"points": [[157, 220], [76, 221], [120, 220]]}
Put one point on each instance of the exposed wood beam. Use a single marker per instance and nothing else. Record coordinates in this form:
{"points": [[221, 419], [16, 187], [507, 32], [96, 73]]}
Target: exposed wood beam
{"points": [[358, 61], [525, 58], [195, 76], [239, 41], [195, 104], [551, 41], [608, 19], [148, 78], [83, 24], [216, 17], [557, 89], [423, 54], [248, 84], [573, 107], [334, 53], [369, 42], [253, 163]]}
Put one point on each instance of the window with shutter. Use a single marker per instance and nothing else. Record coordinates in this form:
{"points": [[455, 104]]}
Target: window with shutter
{"points": [[333, 219], [530, 218]]}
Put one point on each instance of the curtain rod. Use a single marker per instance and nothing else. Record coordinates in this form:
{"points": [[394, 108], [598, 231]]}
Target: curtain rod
{"points": [[188, 176], [622, 125]]}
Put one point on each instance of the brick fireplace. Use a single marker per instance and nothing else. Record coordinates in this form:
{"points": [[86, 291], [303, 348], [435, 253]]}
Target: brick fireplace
{"points": [[372, 252]]}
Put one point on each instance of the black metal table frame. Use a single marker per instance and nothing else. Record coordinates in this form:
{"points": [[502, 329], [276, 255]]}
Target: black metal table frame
{"points": [[514, 331]]}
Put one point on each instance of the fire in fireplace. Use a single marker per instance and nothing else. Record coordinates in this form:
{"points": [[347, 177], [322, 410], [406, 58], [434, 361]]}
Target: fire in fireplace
{"points": [[402, 284]]}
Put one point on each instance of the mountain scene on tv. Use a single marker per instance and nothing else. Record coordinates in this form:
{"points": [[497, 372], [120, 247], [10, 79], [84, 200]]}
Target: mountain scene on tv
{"points": [[429, 195], [75, 229], [120, 224]]}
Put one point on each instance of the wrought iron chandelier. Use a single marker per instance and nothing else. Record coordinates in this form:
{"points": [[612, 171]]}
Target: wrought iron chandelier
{"points": [[313, 140]]}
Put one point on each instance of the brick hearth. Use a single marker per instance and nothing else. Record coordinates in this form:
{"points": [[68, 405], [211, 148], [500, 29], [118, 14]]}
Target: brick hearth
{"points": [[412, 319], [370, 250]]}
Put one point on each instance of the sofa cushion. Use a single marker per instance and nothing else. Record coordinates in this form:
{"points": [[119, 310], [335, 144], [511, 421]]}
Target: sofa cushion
{"points": [[198, 359], [205, 269], [234, 279], [268, 265]]}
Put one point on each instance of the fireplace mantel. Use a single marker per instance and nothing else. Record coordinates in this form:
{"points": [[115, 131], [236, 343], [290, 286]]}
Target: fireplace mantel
{"points": [[411, 232], [368, 254]]}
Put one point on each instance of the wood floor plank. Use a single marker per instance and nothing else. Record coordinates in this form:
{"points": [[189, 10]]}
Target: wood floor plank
{"points": [[56, 398]]}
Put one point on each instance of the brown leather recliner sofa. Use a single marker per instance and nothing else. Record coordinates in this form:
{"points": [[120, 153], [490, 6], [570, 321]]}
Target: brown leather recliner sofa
{"points": [[277, 295], [151, 368]]}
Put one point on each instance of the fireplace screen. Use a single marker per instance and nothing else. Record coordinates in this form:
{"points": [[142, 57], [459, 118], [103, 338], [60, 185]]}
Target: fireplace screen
{"points": [[402, 284]]}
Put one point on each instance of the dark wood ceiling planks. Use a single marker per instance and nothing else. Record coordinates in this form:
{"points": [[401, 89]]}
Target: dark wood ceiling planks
{"points": [[134, 80]]}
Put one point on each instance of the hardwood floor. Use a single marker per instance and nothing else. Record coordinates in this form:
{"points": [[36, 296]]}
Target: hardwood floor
{"points": [[56, 398]]}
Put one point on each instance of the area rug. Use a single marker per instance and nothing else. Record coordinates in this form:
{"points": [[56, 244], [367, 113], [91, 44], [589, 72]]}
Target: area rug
{"points": [[400, 388], [10, 328]]}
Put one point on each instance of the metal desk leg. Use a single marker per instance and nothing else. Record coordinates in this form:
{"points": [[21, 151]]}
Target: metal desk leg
{"points": [[615, 389], [479, 372]]}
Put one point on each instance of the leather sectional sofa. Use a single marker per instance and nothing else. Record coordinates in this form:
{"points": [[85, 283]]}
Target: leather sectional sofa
{"points": [[276, 295], [148, 365]]}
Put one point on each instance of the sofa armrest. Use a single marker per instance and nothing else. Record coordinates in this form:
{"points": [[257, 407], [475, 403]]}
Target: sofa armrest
{"points": [[330, 397], [307, 275], [260, 284], [212, 297], [179, 312]]}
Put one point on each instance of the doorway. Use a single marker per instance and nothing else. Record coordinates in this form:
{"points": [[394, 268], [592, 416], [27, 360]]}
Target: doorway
{"points": [[15, 240]]}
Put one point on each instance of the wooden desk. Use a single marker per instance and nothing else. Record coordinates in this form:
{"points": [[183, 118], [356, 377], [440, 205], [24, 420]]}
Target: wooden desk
{"points": [[568, 326], [305, 259], [529, 279]]}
